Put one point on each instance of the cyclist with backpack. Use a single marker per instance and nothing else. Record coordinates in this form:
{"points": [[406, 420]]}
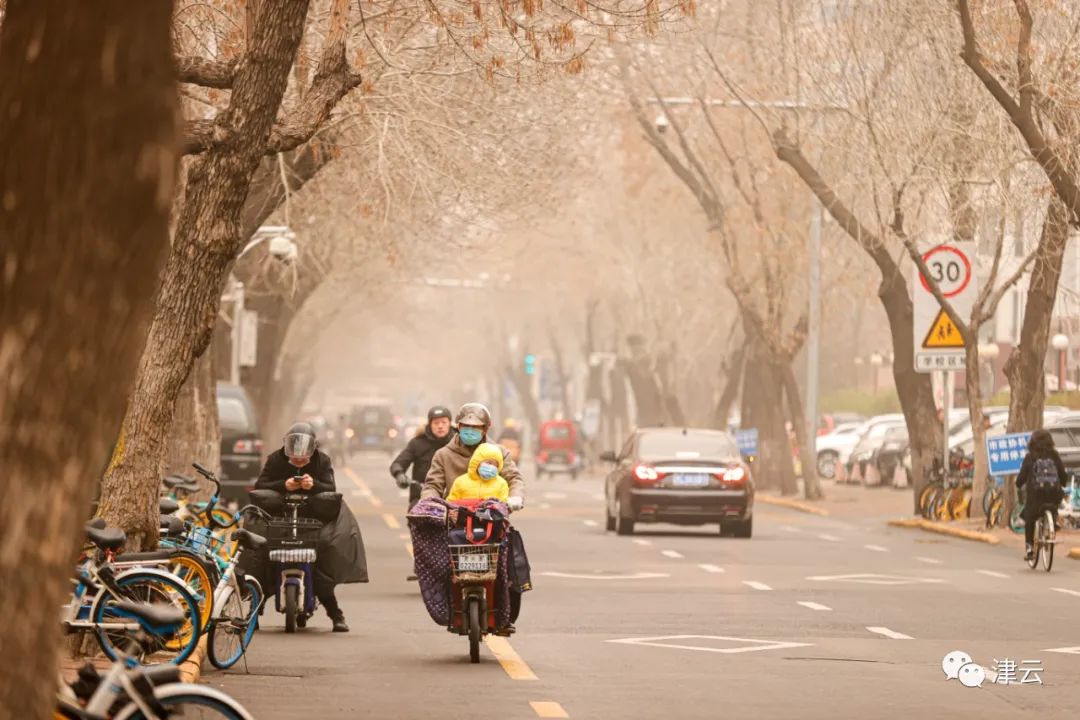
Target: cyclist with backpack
{"points": [[1044, 475]]}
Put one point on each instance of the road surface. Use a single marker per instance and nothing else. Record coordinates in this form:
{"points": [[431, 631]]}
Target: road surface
{"points": [[814, 617]]}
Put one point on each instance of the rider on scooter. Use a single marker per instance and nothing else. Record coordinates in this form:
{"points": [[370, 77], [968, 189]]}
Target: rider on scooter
{"points": [[282, 473], [473, 421]]}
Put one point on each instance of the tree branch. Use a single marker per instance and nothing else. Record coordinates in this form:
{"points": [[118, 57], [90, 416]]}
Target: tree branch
{"points": [[207, 73], [1020, 113]]}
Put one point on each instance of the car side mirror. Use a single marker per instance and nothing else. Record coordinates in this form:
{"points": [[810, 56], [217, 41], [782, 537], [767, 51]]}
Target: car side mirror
{"points": [[608, 456]]}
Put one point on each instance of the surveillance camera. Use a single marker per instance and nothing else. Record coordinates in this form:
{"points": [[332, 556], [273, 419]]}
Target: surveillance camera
{"points": [[283, 248], [662, 123]]}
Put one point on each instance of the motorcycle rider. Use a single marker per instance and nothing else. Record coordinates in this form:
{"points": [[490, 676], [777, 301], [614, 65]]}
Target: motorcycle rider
{"points": [[281, 473], [473, 421], [419, 451]]}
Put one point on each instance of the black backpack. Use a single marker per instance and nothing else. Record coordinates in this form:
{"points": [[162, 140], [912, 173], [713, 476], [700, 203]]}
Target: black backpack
{"points": [[1045, 479]]}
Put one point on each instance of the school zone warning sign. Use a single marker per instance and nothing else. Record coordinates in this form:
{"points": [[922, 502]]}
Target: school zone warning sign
{"points": [[943, 334]]}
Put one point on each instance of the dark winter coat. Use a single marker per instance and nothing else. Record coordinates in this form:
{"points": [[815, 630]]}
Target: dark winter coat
{"points": [[453, 460], [278, 469], [341, 546], [418, 454], [1027, 473]]}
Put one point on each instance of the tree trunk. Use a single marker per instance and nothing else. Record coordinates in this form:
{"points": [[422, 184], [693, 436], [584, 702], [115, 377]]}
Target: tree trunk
{"points": [[763, 409], [733, 369], [88, 147], [560, 371], [973, 386], [647, 395], [1025, 366], [196, 436], [523, 387], [207, 240], [811, 485], [913, 388]]}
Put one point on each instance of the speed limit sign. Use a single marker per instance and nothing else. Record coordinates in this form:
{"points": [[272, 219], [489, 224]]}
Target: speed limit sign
{"points": [[938, 343]]}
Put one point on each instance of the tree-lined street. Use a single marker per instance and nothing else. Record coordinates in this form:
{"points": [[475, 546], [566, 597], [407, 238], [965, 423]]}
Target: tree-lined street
{"points": [[815, 617]]}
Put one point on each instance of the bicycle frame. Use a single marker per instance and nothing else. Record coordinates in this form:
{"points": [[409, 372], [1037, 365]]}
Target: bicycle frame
{"points": [[102, 579]]}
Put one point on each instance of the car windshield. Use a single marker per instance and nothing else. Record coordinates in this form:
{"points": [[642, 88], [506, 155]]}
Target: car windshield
{"points": [[233, 414], [557, 432], [896, 434], [691, 445]]}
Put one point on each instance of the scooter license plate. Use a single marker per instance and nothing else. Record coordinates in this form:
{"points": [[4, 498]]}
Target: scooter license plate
{"points": [[473, 563]]}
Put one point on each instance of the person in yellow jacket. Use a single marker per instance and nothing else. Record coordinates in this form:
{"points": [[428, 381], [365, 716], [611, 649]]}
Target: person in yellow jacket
{"points": [[482, 480]]}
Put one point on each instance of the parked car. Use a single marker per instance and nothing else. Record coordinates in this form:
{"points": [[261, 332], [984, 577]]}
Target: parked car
{"points": [[241, 444], [835, 448], [680, 476], [870, 436], [372, 427]]}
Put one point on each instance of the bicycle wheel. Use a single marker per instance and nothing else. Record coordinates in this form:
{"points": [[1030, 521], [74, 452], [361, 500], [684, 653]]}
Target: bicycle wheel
{"points": [[1033, 560], [195, 576], [1047, 540], [926, 499], [147, 586], [232, 629], [988, 498], [190, 702], [997, 512]]}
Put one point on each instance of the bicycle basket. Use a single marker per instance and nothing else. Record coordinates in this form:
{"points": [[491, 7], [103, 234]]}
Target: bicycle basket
{"points": [[202, 540], [474, 563], [286, 533]]}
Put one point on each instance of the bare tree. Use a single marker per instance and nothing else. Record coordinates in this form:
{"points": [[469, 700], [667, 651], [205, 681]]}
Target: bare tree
{"points": [[89, 165]]}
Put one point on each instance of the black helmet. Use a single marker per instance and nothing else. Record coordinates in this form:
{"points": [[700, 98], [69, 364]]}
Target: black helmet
{"points": [[474, 414], [438, 411], [299, 441]]}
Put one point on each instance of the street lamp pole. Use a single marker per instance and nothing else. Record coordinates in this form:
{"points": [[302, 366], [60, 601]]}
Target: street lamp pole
{"points": [[1060, 342]]}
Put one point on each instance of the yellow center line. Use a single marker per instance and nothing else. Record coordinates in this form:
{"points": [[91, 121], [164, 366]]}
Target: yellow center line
{"points": [[548, 710], [391, 521], [376, 502], [511, 662], [409, 549]]}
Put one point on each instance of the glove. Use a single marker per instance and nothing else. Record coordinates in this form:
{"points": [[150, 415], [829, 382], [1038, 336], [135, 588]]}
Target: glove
{"points": [[402, 480], [515, 503]]}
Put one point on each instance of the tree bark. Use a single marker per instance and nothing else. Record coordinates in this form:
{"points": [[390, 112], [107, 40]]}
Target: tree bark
{"points": [[89, 137], [733, 370], [763, 410], [196, 436], [811, 486], [1025, 366], [207, 240]]}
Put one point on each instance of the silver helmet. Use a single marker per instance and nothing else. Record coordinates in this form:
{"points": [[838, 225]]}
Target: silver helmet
{"points": [[474, 414]]}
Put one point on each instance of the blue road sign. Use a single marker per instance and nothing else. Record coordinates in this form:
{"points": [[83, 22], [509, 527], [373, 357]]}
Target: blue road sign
{"points": [[747, 440], [1006, 453]]}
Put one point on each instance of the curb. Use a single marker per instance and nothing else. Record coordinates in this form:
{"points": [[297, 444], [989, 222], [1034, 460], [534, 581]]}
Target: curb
{"points": [[1074, 553], [791, 504], [191, 669], [934, 527]]}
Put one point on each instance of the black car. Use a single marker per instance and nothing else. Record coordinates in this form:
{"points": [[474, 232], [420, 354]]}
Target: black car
{"points": [[241, 446], [372, 427], [680, 476]]}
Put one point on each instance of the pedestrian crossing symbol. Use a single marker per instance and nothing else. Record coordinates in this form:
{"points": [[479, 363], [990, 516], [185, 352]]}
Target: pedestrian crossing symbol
{"points": [[943, 334]]}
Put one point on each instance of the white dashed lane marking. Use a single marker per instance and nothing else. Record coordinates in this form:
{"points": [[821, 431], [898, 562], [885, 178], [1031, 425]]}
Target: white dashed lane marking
{"points": [[639, 541], [891, 634], [591, 523], [814, 605], [830, 538], [992, 573], [711, 568], [929, 561], [1066, 591], [672, 554], [756, 585], [876, 548]]}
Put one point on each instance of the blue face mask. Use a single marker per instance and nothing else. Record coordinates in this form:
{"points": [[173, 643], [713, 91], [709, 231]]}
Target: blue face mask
{"points": [[470, 436], [487, 471]]}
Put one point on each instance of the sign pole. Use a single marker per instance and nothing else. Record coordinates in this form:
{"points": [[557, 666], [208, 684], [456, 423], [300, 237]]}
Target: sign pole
{"points": [[946, 404]]}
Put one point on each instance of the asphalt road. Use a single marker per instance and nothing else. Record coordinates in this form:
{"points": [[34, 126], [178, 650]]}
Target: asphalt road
{"points": [[813, 617]]}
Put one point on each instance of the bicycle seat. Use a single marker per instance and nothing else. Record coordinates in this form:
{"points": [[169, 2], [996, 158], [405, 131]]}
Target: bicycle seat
{"points": [[248, 539], [158, 616], [107, 538], [98, 523], [167, 506], [175, 481], [172, 525]]}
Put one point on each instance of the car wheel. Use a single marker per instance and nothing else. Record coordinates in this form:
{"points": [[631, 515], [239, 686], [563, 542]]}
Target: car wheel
{"points": [[623, 524], [609, 519], [742, 528], [826, 464]]}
